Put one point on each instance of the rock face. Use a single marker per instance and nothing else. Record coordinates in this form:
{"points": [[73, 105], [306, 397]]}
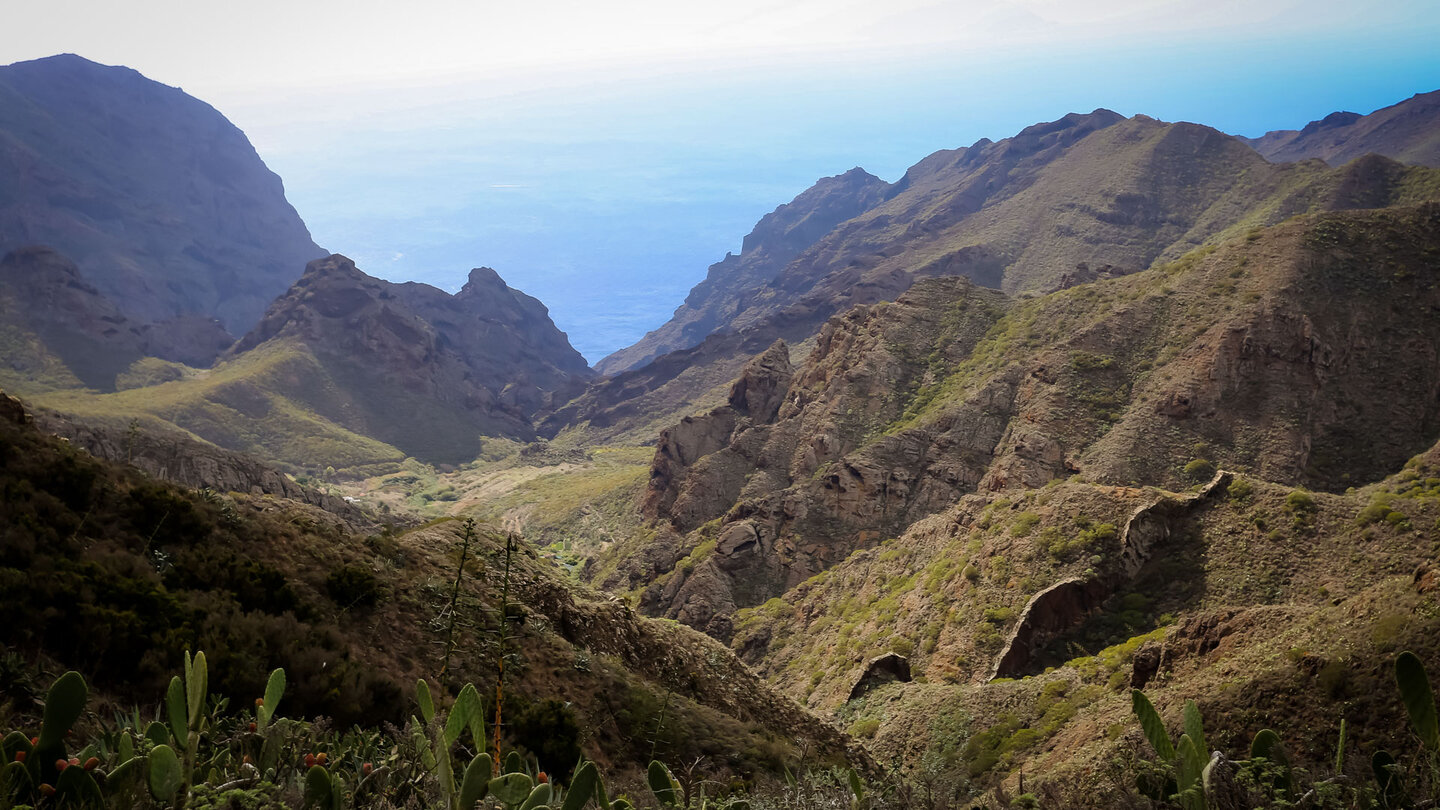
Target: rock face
{"points": [[1065, 604], [425, 371], [777, 238], [888, 668], [773, 463], [161, 202], [1405, 132], [903, 409]]}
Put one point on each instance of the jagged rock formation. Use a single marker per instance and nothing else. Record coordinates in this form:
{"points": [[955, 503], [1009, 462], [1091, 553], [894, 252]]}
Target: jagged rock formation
{"points": [[1274, 355], [1408, 132], [350, 371], [755, 398], [776, 239], [162, 203], [778, 474], [423, 370]]}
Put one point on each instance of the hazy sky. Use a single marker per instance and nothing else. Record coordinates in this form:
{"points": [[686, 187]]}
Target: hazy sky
{"points": [[600, 155]]}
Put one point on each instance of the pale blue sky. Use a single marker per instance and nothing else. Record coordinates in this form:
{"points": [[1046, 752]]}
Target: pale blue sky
{"points": [[600, 156]]}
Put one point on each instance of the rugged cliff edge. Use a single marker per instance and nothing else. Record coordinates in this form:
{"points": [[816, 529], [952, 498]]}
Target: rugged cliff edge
{"points": [[161, 201], [1301, 354]]}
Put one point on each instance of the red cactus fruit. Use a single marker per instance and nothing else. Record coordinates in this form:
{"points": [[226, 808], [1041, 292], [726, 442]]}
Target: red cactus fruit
{"points": [[321, 757], [309, 760], [61, 764], [47, 790], [91, 763], [252, 728], [541, 778], [366, 769], [19, 756], [259, 702]]}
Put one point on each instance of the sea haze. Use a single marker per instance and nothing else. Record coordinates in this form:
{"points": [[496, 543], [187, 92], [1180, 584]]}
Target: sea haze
{"points": [[608, 196]]}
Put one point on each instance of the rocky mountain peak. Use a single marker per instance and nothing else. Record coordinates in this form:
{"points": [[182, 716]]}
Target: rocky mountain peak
{"points": [[761, 388], [483, 279], [483, 361]]}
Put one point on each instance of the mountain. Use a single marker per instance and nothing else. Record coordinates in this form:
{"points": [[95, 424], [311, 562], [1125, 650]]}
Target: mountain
{"points": [[1297, 353], [424, 370], [347, 370], [776, 239], [160, 201], [1063, 203], [1408, 132]]}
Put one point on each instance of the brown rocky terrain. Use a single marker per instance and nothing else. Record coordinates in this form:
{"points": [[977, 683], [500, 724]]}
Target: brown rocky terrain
{"points": [[1406, 132], [1278, 354], [426, 371]]}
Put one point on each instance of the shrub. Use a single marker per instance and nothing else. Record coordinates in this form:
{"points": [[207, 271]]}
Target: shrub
{"points": [[1240, 490], [1200, 470], [1024, 524], [999, 615], [1300, 501], [866, 728], [353, 586]]}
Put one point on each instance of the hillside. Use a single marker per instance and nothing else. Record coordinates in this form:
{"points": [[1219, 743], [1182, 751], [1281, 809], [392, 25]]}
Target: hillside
{"points": [[108, 570], [1274, 354], [1082, 198], [1408, 132], [1269, 606], [347, 370], [161, 202], [64, 333]]}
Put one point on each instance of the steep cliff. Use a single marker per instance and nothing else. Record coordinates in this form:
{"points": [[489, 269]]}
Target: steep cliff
{"points": [[161, 202], [1304, 354]]}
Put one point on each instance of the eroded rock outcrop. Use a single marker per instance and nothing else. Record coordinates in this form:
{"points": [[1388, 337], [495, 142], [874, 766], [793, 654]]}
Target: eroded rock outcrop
{"points": [[424, 371], [776, 463], [1066, 604], [887, 668]]}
